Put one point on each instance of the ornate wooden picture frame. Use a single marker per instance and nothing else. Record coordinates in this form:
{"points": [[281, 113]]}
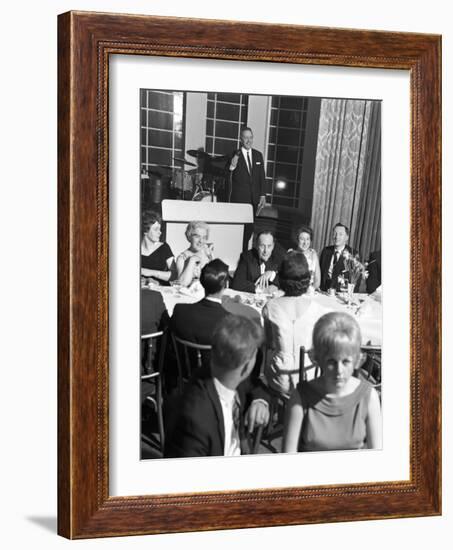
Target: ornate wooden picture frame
{"points": [[86, 40]]}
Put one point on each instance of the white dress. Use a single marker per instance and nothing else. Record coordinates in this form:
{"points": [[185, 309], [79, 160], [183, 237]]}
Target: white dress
{"points": [[289, 323], [310, 254]]}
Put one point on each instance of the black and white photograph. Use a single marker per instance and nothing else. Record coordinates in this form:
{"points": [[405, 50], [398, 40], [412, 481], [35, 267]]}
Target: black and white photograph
{"points": [[260, 274]]}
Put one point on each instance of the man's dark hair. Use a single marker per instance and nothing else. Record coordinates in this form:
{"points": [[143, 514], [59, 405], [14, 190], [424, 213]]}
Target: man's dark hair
{"points": [[214, 276], [245, 129], [265, 232], [294, 274], [235, 339], [346, 228]]}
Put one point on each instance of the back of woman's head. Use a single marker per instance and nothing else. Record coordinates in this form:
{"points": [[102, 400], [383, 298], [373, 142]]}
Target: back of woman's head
{"points": [[334, 330], [294, 274]]}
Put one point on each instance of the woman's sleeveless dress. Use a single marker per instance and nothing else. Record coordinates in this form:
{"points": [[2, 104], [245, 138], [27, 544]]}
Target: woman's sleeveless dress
{"points": [[333, 423]]}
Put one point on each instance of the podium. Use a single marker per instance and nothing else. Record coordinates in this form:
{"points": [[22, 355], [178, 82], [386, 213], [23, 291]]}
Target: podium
{"points": [[226, 226]]}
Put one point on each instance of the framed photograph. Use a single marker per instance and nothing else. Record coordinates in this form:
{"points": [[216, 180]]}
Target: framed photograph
{"points": [[249, 269]]}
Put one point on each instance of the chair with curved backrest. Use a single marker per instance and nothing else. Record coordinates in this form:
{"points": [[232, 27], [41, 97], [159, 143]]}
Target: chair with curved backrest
{"points": [[255, 439], [310, 372], [278, 409], [183, 351], [185, 366], [151, 380], [370, 369]]}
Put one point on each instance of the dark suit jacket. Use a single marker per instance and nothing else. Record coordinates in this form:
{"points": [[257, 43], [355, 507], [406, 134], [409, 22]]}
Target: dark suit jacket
{"points": [[324, 263], [196, 322], [248, 188], [153, 318], [374, 272], [153, 314], [198, 428], [248, 269]]}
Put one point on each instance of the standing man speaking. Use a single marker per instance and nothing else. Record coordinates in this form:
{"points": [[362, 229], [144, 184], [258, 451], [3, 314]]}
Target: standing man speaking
{"points": [[247, 179]]}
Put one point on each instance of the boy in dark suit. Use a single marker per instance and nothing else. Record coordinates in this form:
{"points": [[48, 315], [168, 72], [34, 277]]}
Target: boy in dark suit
{"points": [[221, 403], [195, 322]]}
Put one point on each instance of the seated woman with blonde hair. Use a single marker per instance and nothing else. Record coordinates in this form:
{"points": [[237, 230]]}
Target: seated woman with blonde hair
{"points": [[336, 411], [190, 262]]}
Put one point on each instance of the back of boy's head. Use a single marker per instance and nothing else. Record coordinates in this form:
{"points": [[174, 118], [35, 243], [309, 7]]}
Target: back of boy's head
{"points": [[214, 276], [235, 339], [334, 329]]}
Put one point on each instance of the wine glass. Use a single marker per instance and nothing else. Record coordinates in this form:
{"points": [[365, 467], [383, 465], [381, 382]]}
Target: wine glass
{"points": [[176, 284]]}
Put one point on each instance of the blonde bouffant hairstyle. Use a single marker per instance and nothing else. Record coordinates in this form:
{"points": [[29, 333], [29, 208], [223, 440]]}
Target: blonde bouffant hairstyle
{"points": [[332, 331], [193, 226]]}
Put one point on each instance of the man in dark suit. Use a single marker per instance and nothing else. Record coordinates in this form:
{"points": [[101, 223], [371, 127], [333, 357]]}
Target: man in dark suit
{"points": [[196, 322], [247, 179], [374, 272], [259, 266], [153, 318], [332, 261], [153, 313], [221, 403]]}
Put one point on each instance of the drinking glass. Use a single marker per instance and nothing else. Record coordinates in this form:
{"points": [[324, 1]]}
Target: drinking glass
{"points": [[177, 286]]}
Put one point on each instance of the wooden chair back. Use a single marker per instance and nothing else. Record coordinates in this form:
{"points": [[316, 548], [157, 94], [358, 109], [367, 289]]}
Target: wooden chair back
{"points": [[184, 360], [153, 375]]}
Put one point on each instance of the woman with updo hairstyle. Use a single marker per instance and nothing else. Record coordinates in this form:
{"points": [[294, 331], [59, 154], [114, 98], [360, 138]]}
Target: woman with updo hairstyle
{"points": [[190, 262], [157, 259], [288, 322], [303, 237]]}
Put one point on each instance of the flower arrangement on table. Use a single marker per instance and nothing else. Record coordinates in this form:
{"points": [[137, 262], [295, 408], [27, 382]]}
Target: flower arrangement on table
{"points": [[354, 269]]}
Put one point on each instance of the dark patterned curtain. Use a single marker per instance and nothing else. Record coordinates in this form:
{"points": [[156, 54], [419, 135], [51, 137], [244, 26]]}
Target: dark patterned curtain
{"points": [[347, 175], [367, 230]]}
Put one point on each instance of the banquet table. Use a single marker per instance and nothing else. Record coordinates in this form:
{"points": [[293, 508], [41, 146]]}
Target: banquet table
{"points": [[366, 309]]}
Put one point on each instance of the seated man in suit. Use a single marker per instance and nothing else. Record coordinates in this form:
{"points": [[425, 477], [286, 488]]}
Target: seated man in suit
{"points": [[221, 403], [259, 266], [153, 313], [374, 272], [332, 261], [196, 322]]}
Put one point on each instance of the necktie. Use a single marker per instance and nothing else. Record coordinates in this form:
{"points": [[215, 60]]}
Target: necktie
{"points": [[249, 163], [236, 412], [335, 258], [236, 418]]}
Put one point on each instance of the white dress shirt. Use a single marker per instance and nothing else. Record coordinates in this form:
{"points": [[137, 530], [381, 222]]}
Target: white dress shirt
{"points": [[232, 446], [263, 271], [212, 299], [246, 152]]}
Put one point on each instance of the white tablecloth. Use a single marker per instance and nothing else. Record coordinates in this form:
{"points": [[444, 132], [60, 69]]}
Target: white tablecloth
{"points": [[368, 311]]}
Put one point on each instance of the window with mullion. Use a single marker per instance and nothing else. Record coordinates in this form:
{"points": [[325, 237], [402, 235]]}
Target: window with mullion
{"points": [[226, 115], [161, 131], [288, 117]]}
